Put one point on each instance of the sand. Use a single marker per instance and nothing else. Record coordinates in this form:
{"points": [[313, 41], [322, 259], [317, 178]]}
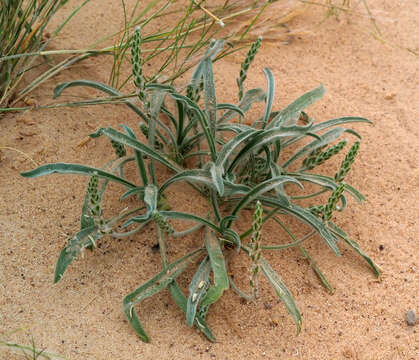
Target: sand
{"points": [[81, 317]]}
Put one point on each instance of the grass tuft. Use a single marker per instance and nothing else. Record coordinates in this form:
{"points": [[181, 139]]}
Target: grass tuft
{"points": [[22, 30]]}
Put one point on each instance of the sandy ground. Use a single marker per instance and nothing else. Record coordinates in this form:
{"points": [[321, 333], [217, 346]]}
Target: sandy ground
{"points": [[81, 316]]}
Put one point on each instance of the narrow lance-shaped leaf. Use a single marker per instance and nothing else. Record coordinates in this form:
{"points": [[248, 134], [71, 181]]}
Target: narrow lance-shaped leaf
{"points": [[177, 293], [192, 217], [328, 182], [316, 269], [233, 127], [230, 107], [339, 121], [325, 139], [233, 144], [151, 197], [308, 218], [63, 168], [270, 93], [265, 138], [354, 245], [138, 156], [250, 97], [217, 178], [193, 176], [136, 145], [139, 191], [203, 177], [282, 292], [100, 86], [181, 302], [280, 189], [153, 286], [157, 98], [261, 189], [72, 250], [288, 116], [218, 267], [202, 118], [197, 289], [210, 97], [327, 124]]}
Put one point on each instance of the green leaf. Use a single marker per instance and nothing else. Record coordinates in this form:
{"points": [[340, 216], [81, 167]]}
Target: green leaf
{"points": [[316, 269], [206, 127], [180, 300], [282, 292], [151, 194], [250, 97], [151, 197], [193, 176], [321, 180], [230, 234], [308, 218], [289, 115], [99, 86], [230, 107], [197, 289], [314, 222], [329, 183], [74, 247], [232, 145], [266, 137], [234, 127], [262, 188], [219, 270], [215, 47], [339, 121], [63, 168], [217, 178], [157, 98], [210, 97], [135, 191], [138, 156], [192, 217], [270, 93], [329, 123], [280, 190], [153, 286], [88, 83], [325, 139], [136, 145], [354, 245]]}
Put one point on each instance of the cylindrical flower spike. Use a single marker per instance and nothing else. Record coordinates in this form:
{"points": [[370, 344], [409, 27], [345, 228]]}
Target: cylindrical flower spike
{"points": [[95, 206], [347, 163], [246, 64], [119, 148], [332, 202], [256, 248], [162, 223], [312, 162], [137, 68]]}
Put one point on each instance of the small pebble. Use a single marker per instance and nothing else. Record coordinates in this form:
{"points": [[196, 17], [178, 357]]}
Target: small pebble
{"points": [[411, 317]]}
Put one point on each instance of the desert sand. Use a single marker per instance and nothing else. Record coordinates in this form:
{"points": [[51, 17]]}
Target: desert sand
{"points": [[81, 317]]}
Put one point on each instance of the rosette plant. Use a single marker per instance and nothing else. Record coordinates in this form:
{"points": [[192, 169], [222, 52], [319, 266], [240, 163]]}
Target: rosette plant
{"points": [[206, 143]]}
